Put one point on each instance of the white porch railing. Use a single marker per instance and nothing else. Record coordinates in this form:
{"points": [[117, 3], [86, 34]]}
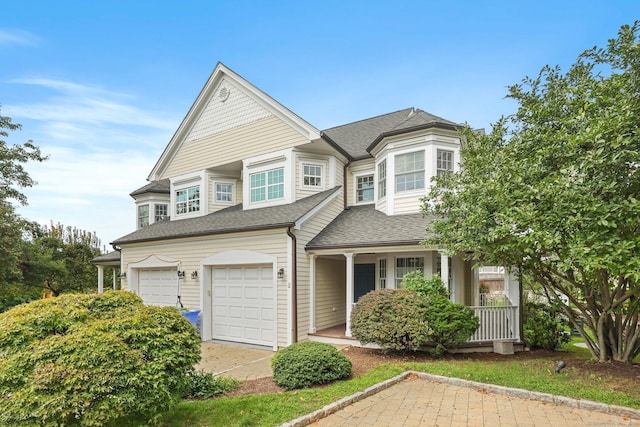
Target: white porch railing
{"points": [[497, 322]]}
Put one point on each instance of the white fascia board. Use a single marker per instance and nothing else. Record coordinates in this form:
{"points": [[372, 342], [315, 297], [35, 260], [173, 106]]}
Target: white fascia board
{"points": [[312, 212], [270, 104]]}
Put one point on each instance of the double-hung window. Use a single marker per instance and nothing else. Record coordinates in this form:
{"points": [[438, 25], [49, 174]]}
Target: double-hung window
{"points": [[407, 265], [382, 179], [224, 192], [143, 216], [188, 200], [444, 163], [364, 188], [311, 175], [409, 170], [160, 212], [267, 185]]}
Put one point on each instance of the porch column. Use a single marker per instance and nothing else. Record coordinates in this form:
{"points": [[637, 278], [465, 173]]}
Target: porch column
{"points": [[349, 257], [444, 272], [100, 279], [115, 279], [475, 286], [312, 294]]}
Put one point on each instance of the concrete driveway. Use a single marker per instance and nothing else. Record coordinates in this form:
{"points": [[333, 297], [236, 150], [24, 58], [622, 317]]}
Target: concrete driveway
{"points": [[235, 360]]}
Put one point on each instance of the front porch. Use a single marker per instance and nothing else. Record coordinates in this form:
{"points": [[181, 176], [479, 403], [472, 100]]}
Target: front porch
{"points": [[338, 281]]}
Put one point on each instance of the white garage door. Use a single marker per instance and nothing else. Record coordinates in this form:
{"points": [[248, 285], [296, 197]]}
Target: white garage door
{"points": [[244, 304], [159, 286]]}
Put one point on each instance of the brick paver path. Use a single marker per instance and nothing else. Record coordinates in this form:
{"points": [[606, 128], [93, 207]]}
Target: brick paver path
{"points": [[419, 402]]}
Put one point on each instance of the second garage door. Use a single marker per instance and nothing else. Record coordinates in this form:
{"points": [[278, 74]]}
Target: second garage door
{"points": [[244, 304], [159, 286]]}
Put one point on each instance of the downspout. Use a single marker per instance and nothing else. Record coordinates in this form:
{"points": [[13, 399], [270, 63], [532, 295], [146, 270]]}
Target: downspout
{"points": [[344, 183], [294, 286]]}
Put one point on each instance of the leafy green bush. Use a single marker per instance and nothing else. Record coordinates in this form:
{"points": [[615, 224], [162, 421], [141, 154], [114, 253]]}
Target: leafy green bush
{"points": [[203, 385], [425, 286], [450, 324], [304, 364], [92, 360], [544, 325], [393, 319]]}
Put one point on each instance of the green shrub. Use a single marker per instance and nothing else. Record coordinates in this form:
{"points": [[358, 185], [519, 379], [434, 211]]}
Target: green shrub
{"points": [[425, 286], [203, 385], [544, 325], [92, 360], [392, 319], [307, 363], [450, 324]]}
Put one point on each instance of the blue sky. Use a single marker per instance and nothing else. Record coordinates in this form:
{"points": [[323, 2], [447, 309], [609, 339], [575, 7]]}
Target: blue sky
{"points": [[101, 86]]}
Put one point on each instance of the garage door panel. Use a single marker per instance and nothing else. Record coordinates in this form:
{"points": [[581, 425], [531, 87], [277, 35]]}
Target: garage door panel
{"points": [[245, 310], [158, 286]]}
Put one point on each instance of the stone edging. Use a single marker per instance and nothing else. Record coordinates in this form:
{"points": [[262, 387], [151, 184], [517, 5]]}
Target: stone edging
{"points": [[590, 405]]}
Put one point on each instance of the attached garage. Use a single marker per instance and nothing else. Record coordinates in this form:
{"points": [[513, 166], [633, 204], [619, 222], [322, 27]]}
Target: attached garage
{"points": [[158, 286], [244, 304]]}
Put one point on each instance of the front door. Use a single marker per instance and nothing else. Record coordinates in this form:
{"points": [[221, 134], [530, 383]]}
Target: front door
{"points": [[364, 280]]}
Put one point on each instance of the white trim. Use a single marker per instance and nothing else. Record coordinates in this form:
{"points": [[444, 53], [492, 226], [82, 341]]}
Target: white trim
{"points": [[355, 188], [288, 270], [214, 187], [315, 210], [152, 261], [183, 182], [350, 291], [304, 161]]}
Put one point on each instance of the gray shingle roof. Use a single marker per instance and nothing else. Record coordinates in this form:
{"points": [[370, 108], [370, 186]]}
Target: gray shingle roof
{"points": [[359, 137], [232, 219], [152, 187], [108, 258], [362, 226]]}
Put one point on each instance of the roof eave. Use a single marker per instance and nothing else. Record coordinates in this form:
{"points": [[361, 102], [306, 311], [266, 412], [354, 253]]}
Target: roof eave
{"points": [[434, 124]]}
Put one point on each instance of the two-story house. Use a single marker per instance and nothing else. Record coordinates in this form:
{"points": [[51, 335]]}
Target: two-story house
{"points": [[274, 228]]}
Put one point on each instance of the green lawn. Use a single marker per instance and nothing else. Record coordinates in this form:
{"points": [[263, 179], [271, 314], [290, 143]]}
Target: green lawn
{"points": [[532, 374]]}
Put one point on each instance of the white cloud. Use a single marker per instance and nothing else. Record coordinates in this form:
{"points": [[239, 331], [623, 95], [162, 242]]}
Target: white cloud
{"points": [[18, 37], [101, 145]]}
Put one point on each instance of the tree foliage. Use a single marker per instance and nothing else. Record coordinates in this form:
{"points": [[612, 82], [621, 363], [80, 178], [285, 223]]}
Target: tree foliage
{"points": [[92, 360], [554, 189]]}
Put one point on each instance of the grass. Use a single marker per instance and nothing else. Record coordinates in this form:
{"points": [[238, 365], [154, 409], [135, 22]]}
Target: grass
{"points": [[531, 374]]}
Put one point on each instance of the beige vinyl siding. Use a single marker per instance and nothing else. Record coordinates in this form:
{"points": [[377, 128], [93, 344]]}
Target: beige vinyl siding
{"points": [[190, 251], [302, 159], [331, 292], [308, 230], [407, 204], [260, 137], [381, 205]]}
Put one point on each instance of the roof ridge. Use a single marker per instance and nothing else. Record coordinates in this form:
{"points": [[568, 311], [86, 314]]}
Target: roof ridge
{"points": [[371, 118]]}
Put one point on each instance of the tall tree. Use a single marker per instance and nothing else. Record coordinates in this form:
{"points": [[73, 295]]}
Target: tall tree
{"points": [[58, 258], [555, 190]]}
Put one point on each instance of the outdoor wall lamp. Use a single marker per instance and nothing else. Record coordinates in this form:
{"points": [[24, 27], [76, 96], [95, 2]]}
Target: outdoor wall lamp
{"points": [[123, 275], [281, 273], [194, 274], [180, 274]]}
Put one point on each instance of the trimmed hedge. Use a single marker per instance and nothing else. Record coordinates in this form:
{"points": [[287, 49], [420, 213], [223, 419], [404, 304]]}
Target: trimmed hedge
{"points": [[92, 360], [307, 363]]}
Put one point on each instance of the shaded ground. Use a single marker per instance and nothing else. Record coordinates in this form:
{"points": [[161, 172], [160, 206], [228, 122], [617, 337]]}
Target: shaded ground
{"points": [[624, 376]]}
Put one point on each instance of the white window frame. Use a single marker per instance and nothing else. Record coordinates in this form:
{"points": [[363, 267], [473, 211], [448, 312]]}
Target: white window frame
{"points": [[267, 186], [139, 217], [192, 204], [164, 217], [186, 182], [383, 273], [320, 176], [444, 166], [382, 179], [356, 190], [405, 269], [409, 172], [216, 200]]}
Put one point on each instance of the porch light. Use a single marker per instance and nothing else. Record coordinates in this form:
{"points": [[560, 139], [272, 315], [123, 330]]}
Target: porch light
{"points": [[180, 274], [123, 275], [194, 274], [281, 273]]}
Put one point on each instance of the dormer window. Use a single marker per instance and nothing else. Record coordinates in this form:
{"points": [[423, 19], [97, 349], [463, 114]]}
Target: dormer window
{"points": [[311, 175], [382, 179], [267, 185], [224, 192], [161, 212], [409, 169], [188, 200]]}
